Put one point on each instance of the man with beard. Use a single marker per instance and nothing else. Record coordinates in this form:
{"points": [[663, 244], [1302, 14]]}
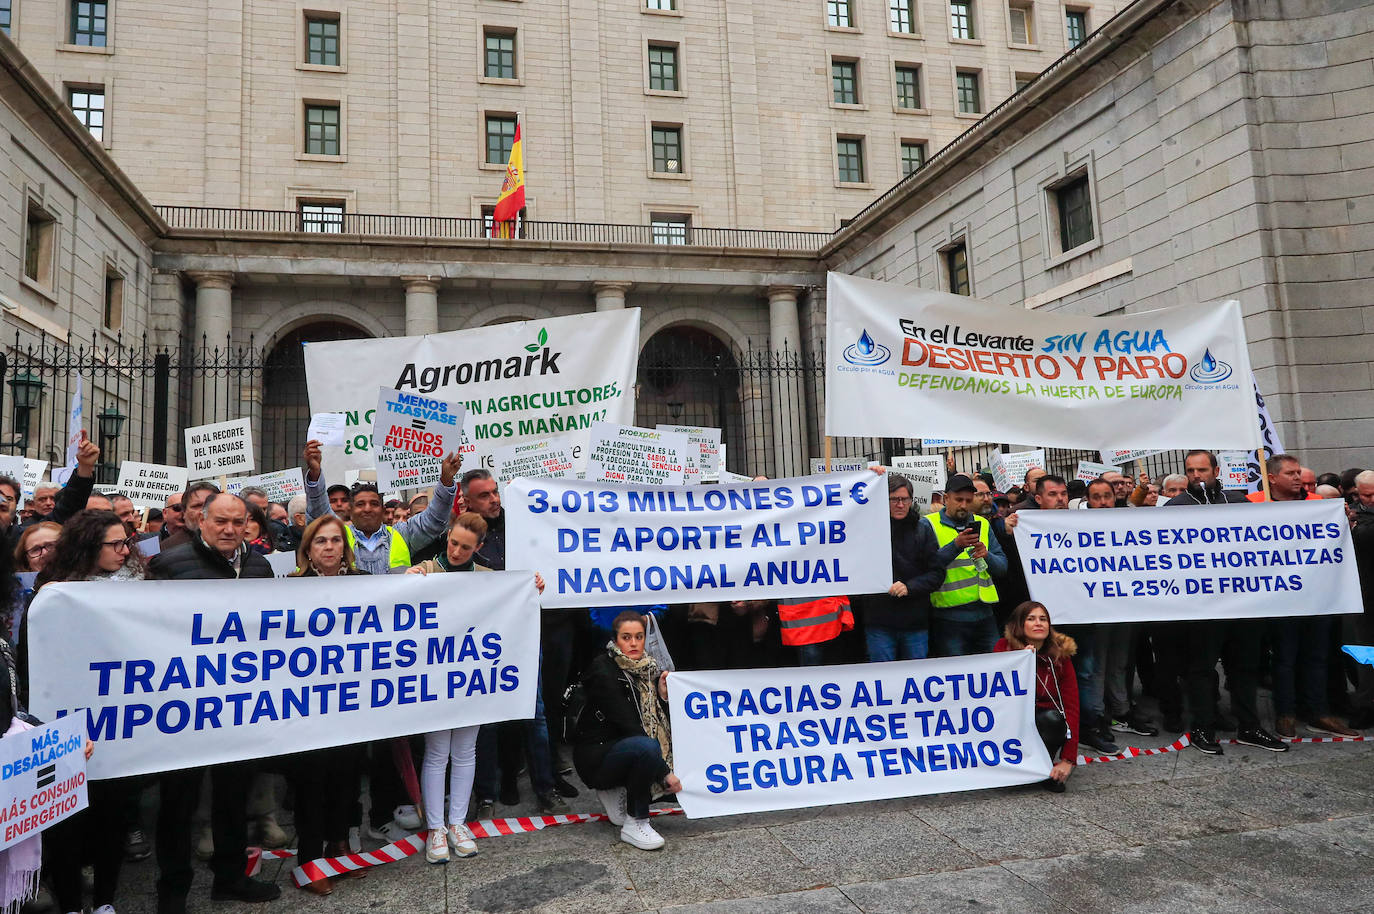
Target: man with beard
{"points": [[962, 606]]}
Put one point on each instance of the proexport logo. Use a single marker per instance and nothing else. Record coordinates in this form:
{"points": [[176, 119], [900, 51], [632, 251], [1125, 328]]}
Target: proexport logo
{"points": [[866, 352], [1210, 370]]}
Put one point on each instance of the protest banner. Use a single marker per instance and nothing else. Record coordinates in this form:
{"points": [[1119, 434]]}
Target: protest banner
{"points": [[707, 441], [901, 361], [1234, 467], [327, 428], [838, 466], [410, 436], [755, 740], [1009, 470], [174, 674], [926, 474], [637, 456], [1212, 562], [518, 381], [283, 485], [1120, 458], [941, 443], [75, 420], [1088, 471], [220, 449], [33, 475], [600, 544], [12, 465], [42, 778], [149, 484], [551, 458]]}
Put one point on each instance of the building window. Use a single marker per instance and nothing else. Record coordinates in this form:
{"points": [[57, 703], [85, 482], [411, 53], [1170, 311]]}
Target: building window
{"points": [[838, 14], [956, 267], [114, 300], [902, 16], [6, 14], [1023, 80], [500, 55], [322, 130], [664, 5], [89, 20], [321, 216], [489, 222], [961, 19], [88, 104], [667, 149], [844, 78], [908, 87], [322, 41], [1022, 24], [966, 87], [849, 157], [663, 67], [1076, 25], [500, 138], [669, 228], [40, 235], [913, 156], [1074, 203]]}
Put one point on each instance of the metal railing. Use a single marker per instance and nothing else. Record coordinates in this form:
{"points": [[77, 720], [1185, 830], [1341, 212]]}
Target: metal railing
{"points": [[221, 219]]}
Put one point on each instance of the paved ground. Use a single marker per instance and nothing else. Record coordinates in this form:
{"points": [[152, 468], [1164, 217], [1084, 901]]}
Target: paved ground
{"points": [[1251, 832]]}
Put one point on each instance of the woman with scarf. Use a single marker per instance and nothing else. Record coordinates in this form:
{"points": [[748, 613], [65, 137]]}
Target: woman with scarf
{"points": [[325, 780], [1056, 687], [93, 546], [624, 744]]}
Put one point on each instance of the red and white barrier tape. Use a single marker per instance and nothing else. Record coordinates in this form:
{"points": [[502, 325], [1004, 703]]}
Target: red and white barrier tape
{"points": [[407, 847], [1132, 752]]}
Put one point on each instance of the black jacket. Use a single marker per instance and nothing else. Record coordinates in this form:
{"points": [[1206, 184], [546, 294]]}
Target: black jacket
{"points": [[1196, 495], [914, 563], [197, 561], [1362, 536], [612, 714], [492, 553]]}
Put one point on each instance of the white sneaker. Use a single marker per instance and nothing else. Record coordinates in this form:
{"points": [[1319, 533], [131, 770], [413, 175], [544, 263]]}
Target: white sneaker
{"points": [[407, 817], [355, 840], [436, 848], [390, 832], [641, 834], [104, 909], [461, 841], [614, 803]]}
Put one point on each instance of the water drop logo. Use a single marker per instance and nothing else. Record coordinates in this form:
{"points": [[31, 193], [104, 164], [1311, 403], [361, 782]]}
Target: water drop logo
{"points": [[867, 352], [1210, 370]]}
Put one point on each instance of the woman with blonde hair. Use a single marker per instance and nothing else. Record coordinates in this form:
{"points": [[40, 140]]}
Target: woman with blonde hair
{"points": [[1056, 686]]}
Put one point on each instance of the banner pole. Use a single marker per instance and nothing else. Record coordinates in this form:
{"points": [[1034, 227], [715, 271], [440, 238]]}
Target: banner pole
{"points": [[1264, 473], [827, 453], [949, 457]]}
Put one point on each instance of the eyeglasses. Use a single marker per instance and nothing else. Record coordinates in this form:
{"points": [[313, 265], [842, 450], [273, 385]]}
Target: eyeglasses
{"points": [[175, 507], [34, 552], [123, 545], [899, 501]]}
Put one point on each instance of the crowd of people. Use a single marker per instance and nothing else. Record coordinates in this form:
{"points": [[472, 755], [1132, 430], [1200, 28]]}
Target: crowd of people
{"points": [[601, 712]]}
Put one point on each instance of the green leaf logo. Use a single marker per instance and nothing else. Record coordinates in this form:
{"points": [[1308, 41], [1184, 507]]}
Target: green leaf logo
{"points": [[543, 338]]}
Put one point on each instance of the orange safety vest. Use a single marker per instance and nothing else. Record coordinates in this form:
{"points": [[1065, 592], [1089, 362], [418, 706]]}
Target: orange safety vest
{"points": [[814, 621]]}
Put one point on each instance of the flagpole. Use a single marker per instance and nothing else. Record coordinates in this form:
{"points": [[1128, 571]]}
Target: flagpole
{"points": [[1264, 472]]}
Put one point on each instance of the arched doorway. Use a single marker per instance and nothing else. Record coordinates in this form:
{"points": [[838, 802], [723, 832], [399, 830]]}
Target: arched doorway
{"points": [[687, 376], [285, 401]]}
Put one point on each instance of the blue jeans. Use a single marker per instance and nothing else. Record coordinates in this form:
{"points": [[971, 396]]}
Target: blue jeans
{"points": [[1300, 646], [1088, 673], [895, 644], [812, 654], [535, 735], [956, 639], [635, 763]]}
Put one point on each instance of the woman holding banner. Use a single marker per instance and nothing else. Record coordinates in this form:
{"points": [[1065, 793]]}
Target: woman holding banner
{"points": [[1056, 686], [624, 743], [325, 780], [93, 546]]}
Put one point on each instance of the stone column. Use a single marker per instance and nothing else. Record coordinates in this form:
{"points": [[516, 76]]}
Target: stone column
{"points": [[789, 395], [610, 296], [422, 305], [211, 325]]}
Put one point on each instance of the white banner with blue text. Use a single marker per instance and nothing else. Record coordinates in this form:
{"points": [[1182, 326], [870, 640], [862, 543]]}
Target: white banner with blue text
{"points": [[755, 740], [181, 673], [1290, 558], [609, 544], [42, 778]]}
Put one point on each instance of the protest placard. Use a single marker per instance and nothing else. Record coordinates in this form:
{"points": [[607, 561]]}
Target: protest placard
{"points": [[42, 778], [1088, 471], [599, 544], [174, 674], [1233, 468], [755, 740], [636, 456], [12, 465], [148, 484], [519, 381], [75, 420], [327, 428], [1009, 470], [1213, 562], [551, 458], [707, 440], [220, 449], [926, 474], [283, 563], [902, 360], [33, 475], [283, 485], [1120, 458], [838, 466], [411, 434]]}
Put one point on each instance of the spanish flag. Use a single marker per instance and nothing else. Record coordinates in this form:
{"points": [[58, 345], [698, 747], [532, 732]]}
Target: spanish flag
{"points": [[512, 199]]}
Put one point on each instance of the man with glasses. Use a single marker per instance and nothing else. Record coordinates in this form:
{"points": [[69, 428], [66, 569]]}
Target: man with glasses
{"points": [[214, 550], [897, 623], [172, 521]]}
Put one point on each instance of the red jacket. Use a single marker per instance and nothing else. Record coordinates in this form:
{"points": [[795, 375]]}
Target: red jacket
{"points": [[1046, 672]]}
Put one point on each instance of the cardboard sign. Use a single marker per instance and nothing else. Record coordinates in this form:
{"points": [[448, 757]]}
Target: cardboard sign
{"points": [[551, 458], [707, 458], [42, 778], [1009, 470], [283, 485], [926, 475], [1088, 471], [149, 484], [848, 465], [327, 428], [220, 449], [637, 456]]}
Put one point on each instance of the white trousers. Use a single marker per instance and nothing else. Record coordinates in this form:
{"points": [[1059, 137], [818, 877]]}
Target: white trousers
{"points": [[455, 750]]}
